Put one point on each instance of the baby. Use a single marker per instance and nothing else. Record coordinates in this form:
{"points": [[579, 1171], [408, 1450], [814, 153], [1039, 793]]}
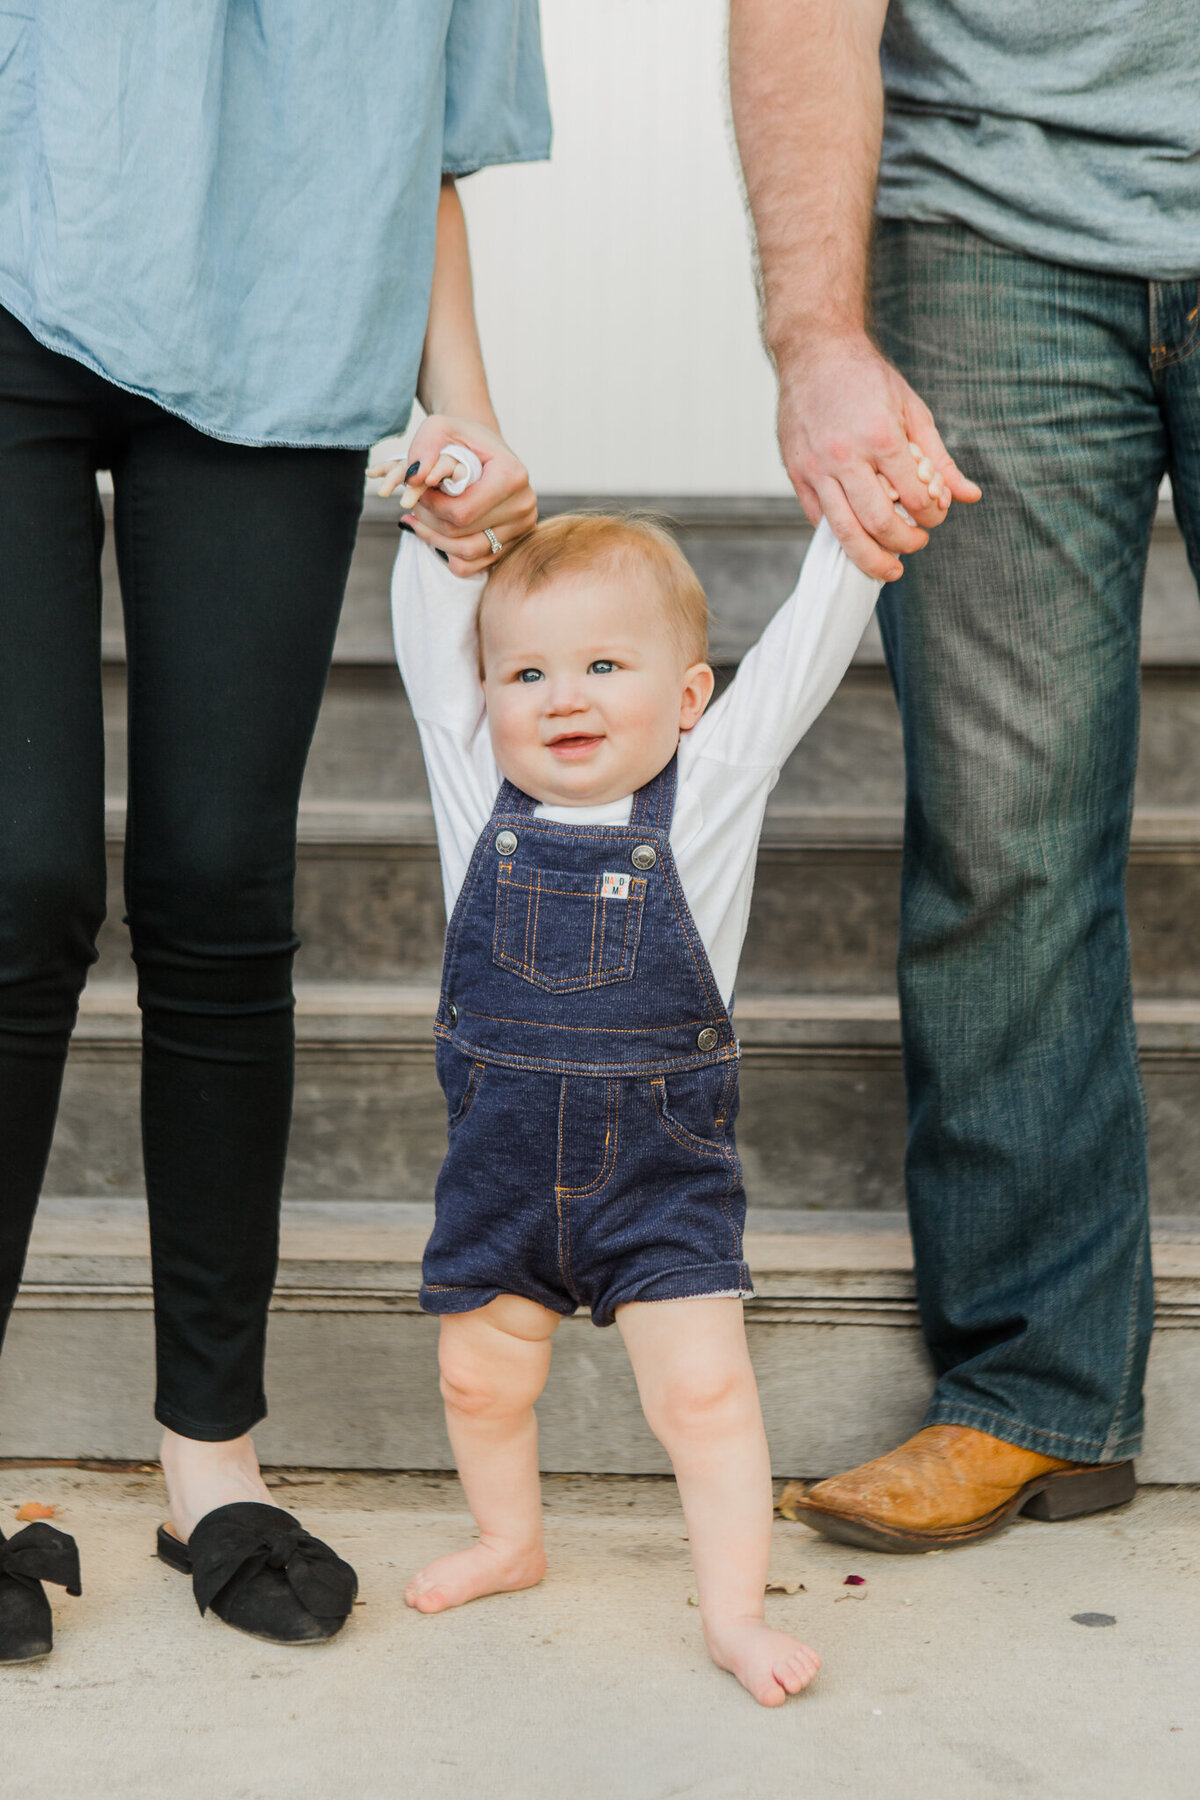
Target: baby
{"points": [[598, 822]]}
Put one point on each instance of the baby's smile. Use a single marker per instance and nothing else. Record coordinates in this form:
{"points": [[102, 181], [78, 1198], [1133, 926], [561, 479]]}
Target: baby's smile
{"points": [[574, 744]]}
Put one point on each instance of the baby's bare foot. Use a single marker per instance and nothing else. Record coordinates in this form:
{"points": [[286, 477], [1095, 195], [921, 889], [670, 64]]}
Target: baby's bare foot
{"points": [[769, 1664], [485, 1568]]}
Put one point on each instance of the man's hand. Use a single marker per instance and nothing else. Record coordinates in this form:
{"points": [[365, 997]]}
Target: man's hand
{"points": [[847, 420]]}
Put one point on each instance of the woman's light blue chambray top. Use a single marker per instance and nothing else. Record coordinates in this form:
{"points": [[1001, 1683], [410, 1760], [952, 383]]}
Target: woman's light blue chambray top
{"points": [[229, 205]]}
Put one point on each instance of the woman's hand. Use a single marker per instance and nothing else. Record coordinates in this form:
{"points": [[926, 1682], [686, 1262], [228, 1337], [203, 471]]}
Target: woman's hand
{"points": [[501, 501]]}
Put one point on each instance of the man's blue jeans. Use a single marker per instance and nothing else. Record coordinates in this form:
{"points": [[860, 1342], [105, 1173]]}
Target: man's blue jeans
{"points": [[1013, 645]]}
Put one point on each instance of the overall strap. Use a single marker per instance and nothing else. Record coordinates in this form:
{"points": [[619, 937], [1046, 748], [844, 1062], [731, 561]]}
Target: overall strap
{"points": [[511, 799], [654, 804]]}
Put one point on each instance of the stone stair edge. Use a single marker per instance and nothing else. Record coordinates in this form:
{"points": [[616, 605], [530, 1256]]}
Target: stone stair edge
{"points": [[400, 824], [397, 1013], [348, 1253]]}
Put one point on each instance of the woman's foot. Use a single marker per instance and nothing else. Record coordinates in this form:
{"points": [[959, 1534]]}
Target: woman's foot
{"points": [[769, 1664], [486, 1568], [200, 1477]]}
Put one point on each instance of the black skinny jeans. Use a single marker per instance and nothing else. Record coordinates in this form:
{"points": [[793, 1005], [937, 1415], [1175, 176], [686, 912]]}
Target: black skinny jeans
{"points": [[233, 563]]}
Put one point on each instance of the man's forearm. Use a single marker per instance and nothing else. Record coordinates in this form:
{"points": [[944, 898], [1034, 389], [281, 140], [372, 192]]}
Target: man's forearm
{"points": [[808, 111]]}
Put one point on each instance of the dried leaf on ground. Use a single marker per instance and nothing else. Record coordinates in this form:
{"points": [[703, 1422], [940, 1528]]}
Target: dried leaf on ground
{"points": [[786, 1505], [36, 1509], [786, 1587], [693, 1599]]}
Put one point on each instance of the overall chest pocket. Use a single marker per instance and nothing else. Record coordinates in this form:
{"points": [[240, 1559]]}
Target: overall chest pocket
{"points": [[564, 932]]}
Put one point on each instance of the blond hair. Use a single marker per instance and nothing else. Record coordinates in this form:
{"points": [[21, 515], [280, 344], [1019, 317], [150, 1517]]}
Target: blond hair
{"points": [[617, 542]]}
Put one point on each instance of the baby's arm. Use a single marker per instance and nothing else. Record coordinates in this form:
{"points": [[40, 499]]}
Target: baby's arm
{"points": [[789, 676], [433, 624]]}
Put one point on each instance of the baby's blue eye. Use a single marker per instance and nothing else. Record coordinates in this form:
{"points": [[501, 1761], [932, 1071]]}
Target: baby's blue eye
{"points": [[601, 666], [529, 675]]}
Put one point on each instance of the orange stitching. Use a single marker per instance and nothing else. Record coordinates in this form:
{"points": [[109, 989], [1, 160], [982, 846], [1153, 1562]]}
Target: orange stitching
{"points": [[612, 1116], [675, 1129]]}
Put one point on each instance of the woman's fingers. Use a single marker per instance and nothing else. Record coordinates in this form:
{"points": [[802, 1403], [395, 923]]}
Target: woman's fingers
{"points": [[511, 517], [471, 554]]}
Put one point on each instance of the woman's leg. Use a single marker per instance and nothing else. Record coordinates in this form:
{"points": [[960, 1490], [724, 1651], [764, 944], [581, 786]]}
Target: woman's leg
{"points": [[233, 564], [52, 873], [494, 1365], [700, 1400]]}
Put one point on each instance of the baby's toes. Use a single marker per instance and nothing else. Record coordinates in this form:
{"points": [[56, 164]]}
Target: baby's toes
{"points": [[767, 1690], [796, 1671]]}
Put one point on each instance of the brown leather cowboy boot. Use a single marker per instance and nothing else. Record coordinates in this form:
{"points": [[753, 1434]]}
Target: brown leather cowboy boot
{"points": [[951, 1485]]}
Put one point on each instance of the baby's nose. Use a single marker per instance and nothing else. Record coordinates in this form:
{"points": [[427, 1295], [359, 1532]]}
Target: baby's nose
{"points": [[564, 697]]}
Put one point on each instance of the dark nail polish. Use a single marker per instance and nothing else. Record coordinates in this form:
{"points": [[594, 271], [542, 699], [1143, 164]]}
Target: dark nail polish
{"points": [[443, 556], [404, 525], [411, 470]]}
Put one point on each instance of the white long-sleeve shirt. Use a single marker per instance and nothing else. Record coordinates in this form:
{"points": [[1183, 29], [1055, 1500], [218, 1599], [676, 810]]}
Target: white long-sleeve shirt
{"points": [[728, 763]]}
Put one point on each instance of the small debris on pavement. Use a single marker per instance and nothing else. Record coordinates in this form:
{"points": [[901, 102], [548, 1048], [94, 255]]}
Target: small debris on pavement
{"points": [[693, 1599], [855, 1581], [36, 1509], [1093, 1619], [786, 1587]]}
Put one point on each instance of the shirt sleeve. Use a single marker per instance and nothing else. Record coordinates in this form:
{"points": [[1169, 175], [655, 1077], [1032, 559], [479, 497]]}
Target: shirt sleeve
{"points": [[497, 107], [433, 623], [789, 676]]}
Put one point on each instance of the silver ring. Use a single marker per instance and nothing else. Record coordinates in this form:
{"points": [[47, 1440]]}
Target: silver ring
{"points": [[493, 540]]}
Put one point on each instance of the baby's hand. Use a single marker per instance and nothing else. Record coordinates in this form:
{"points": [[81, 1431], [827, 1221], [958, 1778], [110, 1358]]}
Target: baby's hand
{"points": [[415, 483], [939, 493]]}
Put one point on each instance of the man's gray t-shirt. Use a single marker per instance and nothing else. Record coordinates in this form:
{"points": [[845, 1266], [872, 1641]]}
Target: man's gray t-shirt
{"points": [[1069, 129]]}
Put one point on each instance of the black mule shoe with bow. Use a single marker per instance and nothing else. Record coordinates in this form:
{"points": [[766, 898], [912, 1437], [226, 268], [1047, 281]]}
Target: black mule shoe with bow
{"points": [[39, 1553], [262, 1573]]}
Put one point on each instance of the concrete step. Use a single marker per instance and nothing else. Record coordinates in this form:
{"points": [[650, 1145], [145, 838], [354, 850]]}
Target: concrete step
{"points": [[825, 909], [822, 1123], [746, 552], [366, 749], [824, 915], [352, 1363]]}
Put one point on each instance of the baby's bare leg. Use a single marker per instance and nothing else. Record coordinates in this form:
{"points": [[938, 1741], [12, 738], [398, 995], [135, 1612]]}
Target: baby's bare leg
{"points": [[700, 1399], [494, 1364]]}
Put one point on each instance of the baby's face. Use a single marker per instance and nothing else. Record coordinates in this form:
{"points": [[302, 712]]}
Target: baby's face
{"points": [[587, 687]]}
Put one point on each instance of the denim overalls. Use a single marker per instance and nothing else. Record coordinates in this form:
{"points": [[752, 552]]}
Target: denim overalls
{"points": [[590, 1071]]}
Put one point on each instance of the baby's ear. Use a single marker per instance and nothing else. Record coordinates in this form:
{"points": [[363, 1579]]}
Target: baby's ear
{"points": [[698, 683]]}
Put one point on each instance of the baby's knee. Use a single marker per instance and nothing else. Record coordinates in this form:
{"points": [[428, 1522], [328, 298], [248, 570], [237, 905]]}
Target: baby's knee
{"points": [[698, 1402], [477, 1389], [466, 1389]]}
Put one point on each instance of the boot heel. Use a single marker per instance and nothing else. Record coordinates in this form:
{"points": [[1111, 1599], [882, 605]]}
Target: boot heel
{"points": [[1073, 1492]]}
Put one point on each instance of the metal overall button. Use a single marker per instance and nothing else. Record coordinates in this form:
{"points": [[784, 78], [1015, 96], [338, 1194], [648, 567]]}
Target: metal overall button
{"points": [[452, 1012], [708, 1039], [506, 842], [643, 856]]}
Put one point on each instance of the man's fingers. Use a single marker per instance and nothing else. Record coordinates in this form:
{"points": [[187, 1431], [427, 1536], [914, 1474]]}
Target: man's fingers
{"points": [[901, 472], [859, 545], [925, 435], [874, 508]]}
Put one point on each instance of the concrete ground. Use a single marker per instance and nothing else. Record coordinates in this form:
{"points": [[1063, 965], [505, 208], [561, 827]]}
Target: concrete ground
{"points": [[958, 1674]]}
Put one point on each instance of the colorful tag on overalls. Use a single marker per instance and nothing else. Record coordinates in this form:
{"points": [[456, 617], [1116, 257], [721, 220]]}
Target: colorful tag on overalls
{"points": [[614, 887]]}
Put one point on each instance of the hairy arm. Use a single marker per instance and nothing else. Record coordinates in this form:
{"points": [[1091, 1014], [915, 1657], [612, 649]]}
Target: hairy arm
{"points": [[452, 387], [808, 112]]}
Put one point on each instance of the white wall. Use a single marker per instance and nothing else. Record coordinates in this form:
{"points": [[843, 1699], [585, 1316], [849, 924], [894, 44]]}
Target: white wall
{"points": [[613, 284]]}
